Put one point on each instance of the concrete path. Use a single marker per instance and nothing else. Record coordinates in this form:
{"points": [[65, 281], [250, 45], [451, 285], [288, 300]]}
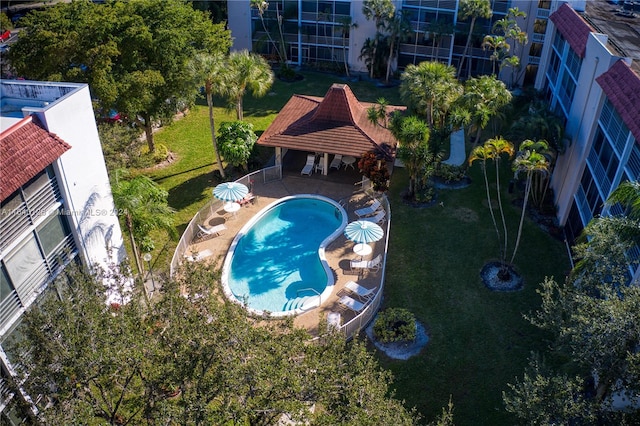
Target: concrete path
{"points": [[457, 154]]}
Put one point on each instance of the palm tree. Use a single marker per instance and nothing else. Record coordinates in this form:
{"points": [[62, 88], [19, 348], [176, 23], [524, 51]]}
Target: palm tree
{"points": [[499, 45], [377, 114], [380, 11], [483, 98], [262, 6], [508, 27], [398, 27], [346, 23], [144, 206], [437, 30], [430, 88], [473, 9], [529, 161], [628, 195], [246, 71], [413, 136], [207, 71], [493, 149]]}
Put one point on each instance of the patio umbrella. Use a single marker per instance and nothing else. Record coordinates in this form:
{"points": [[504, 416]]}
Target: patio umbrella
{"points": [[362, 231], [230, 191]]}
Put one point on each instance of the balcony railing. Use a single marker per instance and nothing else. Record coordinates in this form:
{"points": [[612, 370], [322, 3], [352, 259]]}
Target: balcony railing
{"points": [[542, 14]]}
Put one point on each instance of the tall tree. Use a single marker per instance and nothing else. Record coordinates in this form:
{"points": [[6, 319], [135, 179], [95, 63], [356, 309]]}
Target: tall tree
{"points": [[494, 149], [529, 161], [430, 89], [236, 142], [595, 321], [508, 28], [262, 6], [144, 207], [483, 98], [398, 27], [380, 11], [346, 24], [194, 358], [499, 46], [473, 9], [412, 134], [132, 54], [207, 71], [246, 72]]}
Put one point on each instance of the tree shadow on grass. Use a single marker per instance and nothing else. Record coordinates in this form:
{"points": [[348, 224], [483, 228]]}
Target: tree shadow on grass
{"points": [[191, 191]]}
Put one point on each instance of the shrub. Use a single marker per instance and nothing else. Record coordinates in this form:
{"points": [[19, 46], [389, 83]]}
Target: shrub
{"points": [[395, 325], [375, 169], [450, 173]]}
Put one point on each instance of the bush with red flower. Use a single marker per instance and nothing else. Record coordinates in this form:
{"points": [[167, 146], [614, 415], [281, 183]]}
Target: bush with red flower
{"points": [[375, 169]]}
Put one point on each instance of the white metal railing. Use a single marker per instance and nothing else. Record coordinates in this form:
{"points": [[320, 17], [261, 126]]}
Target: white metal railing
{"points": [[361, 320], [268, 174]]}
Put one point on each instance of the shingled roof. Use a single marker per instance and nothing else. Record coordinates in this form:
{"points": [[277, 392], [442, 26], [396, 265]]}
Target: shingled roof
{"points": [[622, 87], [26, 148], [573, 28], [336, 124]]}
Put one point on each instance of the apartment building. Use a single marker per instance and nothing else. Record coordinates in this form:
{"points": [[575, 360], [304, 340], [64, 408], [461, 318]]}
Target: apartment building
{"points": [[55, 205], [318, 33], [590, 73]]}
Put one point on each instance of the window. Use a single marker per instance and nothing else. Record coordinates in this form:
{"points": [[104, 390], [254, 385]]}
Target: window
{"points": [[612, 123], [567, 90], [558, 43], [633, 164], [554, 67], [574, 62], [51, 233]]}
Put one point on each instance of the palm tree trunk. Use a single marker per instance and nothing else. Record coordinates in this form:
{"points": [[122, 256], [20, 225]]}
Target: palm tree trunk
{"points": [[344, 55], [504, 222], [466, 46], [134, 247], [213, 128], [239, 108], [373, 56], [493, 216], [524, 212], [275, 46], [389, 61], [148, 132]]}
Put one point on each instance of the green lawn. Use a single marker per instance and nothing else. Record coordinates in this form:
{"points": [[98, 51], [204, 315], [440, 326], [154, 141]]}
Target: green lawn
{"points": [[478, 339]]}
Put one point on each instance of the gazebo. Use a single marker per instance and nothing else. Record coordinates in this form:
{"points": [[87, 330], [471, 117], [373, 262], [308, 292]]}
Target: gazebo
{"points": [[334, 124]]}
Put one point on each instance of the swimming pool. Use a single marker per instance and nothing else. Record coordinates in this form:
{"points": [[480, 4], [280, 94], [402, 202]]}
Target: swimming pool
{"points": [[276, 263]]}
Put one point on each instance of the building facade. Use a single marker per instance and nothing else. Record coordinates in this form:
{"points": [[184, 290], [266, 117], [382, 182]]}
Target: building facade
{"points": [[56, 205], [590, 74], [327, 34]]}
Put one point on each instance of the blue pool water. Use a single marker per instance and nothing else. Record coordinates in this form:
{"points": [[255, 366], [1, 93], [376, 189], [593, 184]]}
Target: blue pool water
{"points": [[276, 263]]}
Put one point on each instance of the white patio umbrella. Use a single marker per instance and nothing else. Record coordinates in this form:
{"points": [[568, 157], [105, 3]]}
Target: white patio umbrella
{"points": [[230, 191], [362, 231]]}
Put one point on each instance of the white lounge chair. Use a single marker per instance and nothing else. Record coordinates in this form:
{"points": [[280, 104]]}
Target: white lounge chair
{"points": [[308, 168], [377, 218], [357, 289], [370, 209], [336, 162], [214, 230], [352, 304], [370, 265]]}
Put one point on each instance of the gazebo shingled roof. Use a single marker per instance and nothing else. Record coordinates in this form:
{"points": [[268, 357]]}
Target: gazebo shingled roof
{"points": [[336, 124]]}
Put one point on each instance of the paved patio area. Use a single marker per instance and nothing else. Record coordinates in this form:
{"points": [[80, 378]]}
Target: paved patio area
{"points": [[341, 185]]}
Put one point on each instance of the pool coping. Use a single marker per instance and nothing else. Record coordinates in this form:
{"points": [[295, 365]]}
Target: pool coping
{"points": [[326, 293]]}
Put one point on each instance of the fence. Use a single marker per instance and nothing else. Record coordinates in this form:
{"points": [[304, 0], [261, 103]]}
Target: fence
{"points": [[361, 320], [268, 174]]}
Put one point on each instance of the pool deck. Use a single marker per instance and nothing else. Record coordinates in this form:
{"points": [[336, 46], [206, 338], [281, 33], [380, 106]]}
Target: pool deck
{"points": [[338, 185]]}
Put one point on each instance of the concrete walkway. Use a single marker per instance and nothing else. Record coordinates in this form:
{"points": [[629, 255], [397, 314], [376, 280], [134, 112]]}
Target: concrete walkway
{"points": [[457, 154]]}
